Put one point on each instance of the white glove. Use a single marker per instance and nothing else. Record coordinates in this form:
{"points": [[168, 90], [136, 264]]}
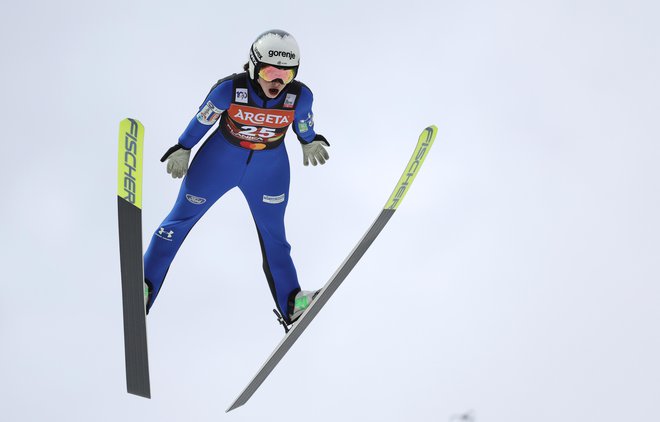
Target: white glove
{"points": [[314, 151], [177, 161]]}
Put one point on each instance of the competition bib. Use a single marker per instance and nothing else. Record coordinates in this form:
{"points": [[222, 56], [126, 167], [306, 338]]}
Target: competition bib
{"points": [[249, 125], [256, 128]]}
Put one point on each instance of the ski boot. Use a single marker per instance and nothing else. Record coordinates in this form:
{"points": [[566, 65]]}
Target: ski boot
{"points": [[146, 286], [301, 302], [296, 308]]}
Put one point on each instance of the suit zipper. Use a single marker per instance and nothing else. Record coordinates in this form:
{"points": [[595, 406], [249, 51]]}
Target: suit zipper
{"points": [[265, 105]]}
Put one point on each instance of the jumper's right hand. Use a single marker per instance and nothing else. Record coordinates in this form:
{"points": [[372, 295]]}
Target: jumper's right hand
{"points": [[177, 161]]}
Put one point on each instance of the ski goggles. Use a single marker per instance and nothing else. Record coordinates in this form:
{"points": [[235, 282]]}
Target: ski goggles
{"points": [[270, 73]]}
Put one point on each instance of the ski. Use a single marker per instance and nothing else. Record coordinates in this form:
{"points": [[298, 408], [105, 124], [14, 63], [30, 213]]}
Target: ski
{"points": [[129, 203], [419, 155]]}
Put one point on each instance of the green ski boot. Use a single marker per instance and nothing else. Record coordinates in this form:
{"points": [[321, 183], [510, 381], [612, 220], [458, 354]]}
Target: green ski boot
{"points": [[301, 302]]}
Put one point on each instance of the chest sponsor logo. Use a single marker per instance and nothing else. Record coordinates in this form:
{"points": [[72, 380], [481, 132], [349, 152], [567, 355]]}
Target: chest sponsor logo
{"points": [[260, 117], [241, 95], [274, 199], [290, 100]]}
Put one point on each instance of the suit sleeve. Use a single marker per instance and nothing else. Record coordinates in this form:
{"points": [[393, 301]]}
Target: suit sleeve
{"points": [[303, 124], [216, 102]]}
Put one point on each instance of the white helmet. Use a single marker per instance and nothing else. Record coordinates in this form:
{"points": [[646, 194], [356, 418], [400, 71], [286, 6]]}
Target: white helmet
{"points": [[274, 47]]}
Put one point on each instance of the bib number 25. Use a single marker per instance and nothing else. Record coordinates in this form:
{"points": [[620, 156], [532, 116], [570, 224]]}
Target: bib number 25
{"points": [[263, 132]]}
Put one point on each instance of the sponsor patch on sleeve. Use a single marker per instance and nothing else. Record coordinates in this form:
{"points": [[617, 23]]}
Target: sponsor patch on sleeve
{"points": [[306, 124], [209, 114]]}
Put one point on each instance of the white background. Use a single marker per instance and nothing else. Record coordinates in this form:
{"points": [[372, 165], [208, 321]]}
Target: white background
{"points": [[519, 279]]}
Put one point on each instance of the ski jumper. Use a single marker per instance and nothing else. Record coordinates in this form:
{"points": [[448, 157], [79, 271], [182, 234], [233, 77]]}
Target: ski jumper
{"points": [[245, 151]]}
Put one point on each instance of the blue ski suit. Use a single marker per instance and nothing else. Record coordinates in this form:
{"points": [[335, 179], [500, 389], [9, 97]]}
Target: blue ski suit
{"points": [[245, 151]]}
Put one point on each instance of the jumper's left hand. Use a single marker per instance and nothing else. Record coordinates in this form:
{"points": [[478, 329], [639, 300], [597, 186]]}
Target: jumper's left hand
{"points": [[315, 152]]}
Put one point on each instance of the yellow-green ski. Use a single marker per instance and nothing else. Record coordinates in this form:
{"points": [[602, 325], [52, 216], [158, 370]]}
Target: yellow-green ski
{"points": [[421, 150], [129, 204]]}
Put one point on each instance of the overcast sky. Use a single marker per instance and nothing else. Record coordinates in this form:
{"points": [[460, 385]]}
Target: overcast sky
{"points": [[518, 279]]}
